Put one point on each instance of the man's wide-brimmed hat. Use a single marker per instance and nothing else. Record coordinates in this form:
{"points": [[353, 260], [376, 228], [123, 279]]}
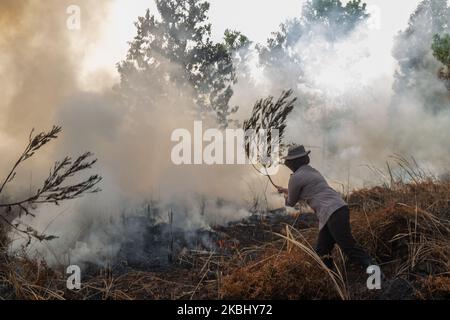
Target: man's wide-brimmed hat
{"points": [[296, 152]]}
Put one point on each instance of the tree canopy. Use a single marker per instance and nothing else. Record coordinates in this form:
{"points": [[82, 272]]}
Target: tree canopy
{"points": [[176, 48], [330, 20], [419, 51], [413, 46], [441, 51]]}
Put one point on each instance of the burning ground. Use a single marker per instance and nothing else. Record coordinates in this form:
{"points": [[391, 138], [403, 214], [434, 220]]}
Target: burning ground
{"points": [[163, 231], [268, 256]]}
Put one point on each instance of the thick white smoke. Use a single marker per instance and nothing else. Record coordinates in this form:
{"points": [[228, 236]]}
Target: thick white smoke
{"points": [[346, 114], [348, 111]]}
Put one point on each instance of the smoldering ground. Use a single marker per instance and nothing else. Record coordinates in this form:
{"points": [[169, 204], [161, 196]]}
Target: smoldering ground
{"points": [[42, 61], [346, 113]]}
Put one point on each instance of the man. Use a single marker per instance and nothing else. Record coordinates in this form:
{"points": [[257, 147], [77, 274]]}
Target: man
{"points": [[307, 184]]}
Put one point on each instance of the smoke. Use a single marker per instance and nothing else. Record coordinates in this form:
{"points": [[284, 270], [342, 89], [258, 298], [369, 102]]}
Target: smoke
{"points": [[39, 59], [42, 60], [133, 147], [346, 114]]}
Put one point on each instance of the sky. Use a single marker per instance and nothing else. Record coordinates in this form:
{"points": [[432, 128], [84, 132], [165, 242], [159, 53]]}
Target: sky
{"points": [[255, 18]]}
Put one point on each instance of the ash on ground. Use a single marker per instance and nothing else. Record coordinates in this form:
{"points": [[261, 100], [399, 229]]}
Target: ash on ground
{"points": [[158, 246]]}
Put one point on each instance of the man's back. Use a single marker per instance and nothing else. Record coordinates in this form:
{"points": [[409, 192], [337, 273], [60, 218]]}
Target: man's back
{"points": [[309, 185]]}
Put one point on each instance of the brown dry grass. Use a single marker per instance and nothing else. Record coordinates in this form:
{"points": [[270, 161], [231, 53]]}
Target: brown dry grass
{"points": [[405, 226], [435, 287], [409, 223], [22, 278], [283, 275]]}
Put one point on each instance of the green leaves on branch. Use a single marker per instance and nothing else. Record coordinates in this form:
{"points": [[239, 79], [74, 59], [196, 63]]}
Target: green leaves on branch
{"points": [[268, 115], [441, 51], [336, 19], [441, 48]]}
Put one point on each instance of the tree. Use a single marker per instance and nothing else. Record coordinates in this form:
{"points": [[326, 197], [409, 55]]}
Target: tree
{"points": [[214, 73], [413, 51], [281, 63], [327, 19], [177, 49], [441, 51], [335, 19], [240, 47], [293, 55]]}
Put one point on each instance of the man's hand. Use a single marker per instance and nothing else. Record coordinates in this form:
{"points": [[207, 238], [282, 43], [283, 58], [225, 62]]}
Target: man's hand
{"points": [[282, 190]]}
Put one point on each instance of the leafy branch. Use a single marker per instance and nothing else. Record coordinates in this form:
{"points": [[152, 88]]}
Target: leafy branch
{"points": [[268, 115], [54, 189], [34, 144]]}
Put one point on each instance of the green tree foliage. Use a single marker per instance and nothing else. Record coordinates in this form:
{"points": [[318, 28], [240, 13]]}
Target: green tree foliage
{"points": [[280, 61], [441, 51], [333, 17], [292, 54], [412, 50], [441, 48], [177, 49]]}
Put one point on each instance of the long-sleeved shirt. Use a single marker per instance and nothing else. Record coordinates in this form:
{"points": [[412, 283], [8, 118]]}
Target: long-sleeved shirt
{"points": [[309, 185]]}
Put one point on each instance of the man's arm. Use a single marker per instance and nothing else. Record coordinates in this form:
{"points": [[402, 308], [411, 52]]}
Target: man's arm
{"points": [[293, 192], [282, 190]]}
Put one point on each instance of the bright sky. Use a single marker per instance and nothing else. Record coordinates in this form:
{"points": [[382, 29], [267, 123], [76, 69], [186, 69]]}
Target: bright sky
{"points": [[255, 18]]}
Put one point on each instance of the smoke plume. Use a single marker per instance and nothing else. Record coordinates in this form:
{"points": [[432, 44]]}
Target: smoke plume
{"points": [[346, 115]]}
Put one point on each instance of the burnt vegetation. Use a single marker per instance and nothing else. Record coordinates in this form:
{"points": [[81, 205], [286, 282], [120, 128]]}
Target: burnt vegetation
{"points": [[404, 222]]}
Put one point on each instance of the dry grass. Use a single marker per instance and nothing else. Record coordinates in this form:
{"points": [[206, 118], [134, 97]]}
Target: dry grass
{"points": [[409, 223], [22, 278], [435, 287], [283, 275], [404, 225]]}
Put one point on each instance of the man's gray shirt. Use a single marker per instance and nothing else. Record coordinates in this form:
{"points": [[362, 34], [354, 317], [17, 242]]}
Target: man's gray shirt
{"points": [[307, 184]]}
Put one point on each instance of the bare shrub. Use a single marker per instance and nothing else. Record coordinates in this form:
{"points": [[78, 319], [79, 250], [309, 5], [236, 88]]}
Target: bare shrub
{"points": [[54, 189]]}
